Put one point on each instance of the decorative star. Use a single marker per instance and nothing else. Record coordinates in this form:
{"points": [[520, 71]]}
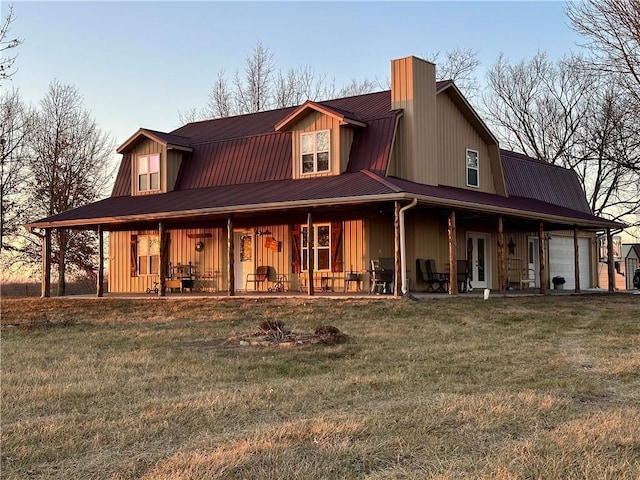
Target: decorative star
{"points": [[512, 246]]}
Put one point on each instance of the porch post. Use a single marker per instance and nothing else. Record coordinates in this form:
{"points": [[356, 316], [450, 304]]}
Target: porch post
{"points": [[576, 257], [612, 270], [231, 260], [163, 260], [310, 253], [397, 276], [46, 264], [453, 254], [543, 261], [501, 260], [100, 279]]}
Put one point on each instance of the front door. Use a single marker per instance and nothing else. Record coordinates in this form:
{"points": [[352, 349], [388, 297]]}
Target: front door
{"points": [[533, 263], [478, 257], [245, 258]]}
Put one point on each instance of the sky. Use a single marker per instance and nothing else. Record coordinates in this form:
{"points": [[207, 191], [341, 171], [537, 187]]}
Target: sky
{"points": [[137, 64]]}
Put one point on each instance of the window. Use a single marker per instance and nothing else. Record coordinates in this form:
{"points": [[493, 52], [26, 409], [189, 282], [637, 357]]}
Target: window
{"points": [[321, 248], [148, 255], [314, 148], [472, 169], [149, 172]]}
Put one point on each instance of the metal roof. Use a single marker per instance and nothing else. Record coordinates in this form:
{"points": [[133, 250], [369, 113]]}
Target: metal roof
{"points": [[530, 178]]}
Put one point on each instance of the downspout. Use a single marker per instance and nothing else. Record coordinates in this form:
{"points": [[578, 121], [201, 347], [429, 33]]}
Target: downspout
{"points": [[403, 248]]}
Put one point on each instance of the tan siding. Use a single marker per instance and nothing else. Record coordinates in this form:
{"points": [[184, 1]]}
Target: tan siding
{"points": [[174, 160], [346, 139], [313, 122], [413, 89], [455, 135]]}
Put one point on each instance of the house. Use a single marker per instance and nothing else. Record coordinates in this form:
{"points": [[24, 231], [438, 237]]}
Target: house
{"points": [[404, 174]]}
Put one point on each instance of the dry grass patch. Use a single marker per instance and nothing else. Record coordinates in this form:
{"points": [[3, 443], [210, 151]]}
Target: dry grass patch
{"points": [[532, 387]]}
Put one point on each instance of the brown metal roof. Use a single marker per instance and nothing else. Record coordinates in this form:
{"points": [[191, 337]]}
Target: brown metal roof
{"points": [[122, 185], [530, 178], [358, 186], [167, 139], [371, 147], [240, 160]]}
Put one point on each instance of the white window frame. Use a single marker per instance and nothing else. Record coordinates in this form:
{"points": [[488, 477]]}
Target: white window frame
{"points": [[315, 152], [147, 173], [304, 248], [469, 168], [148, 248]]}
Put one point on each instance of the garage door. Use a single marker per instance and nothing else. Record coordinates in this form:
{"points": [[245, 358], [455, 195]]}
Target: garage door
{"points": [[562, 263]]}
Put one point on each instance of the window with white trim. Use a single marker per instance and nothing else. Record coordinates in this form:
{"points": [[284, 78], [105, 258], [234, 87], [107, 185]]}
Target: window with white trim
{"points": [[321, 248], [315, 151], [149, 172], [473, 173], [148, 255]]}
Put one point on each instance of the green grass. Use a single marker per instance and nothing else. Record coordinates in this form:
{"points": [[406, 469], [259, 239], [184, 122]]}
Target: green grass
{"points": [[510, 388]]}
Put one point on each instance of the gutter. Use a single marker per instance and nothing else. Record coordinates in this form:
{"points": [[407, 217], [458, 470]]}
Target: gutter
{"points": [[403, 248]]}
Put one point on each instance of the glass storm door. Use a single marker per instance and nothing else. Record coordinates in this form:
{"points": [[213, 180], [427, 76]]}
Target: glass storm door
{"points": [[477, 254]]}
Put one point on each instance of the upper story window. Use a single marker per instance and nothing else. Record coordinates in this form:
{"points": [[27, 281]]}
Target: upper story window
{"points": [[473, 177], [314, 149], [149, 172], [321, 248]]}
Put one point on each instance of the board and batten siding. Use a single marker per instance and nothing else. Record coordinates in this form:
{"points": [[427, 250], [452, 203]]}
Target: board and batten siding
{"points": [[455, 136], [413, 89]]}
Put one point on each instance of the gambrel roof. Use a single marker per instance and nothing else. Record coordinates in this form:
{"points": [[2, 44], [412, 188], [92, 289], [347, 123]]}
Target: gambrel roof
{"points": [[243, 164]]}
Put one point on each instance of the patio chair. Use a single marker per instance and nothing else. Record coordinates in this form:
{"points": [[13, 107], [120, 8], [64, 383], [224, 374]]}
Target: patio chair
{"points": [[260, 276], [382, 273], [464, 274], [436, 282]]}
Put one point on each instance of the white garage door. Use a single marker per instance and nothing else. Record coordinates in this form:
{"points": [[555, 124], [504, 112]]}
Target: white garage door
{"points": [[562, 263]]}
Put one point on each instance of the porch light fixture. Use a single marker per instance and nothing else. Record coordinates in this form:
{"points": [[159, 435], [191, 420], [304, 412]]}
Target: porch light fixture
{"points": [[262, 232]]}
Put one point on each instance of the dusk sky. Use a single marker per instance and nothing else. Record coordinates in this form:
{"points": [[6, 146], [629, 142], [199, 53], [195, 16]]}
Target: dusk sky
{"points": [[138, 63]]}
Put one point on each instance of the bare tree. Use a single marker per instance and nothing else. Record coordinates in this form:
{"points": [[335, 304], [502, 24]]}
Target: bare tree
{"points": [[7, 44], [537, 105], [460, 66], [566, 115], [612, 30], [261, 87], [16, 122], [253, 92], [69, 166]]}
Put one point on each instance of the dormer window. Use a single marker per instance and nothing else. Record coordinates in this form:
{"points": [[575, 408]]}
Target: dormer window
{"points": [[149, 172], [473, 177], [314, 149]]}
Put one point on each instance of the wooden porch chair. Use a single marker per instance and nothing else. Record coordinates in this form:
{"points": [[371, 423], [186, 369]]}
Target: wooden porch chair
{"points": [[436, 282], [527, 278], [260, 276]]}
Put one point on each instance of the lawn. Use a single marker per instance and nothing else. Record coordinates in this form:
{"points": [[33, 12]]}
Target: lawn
{"points": [[447, 388]]}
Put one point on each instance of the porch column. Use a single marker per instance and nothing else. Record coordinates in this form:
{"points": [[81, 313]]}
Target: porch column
{"points": [[453, 254], [397, 277], [501, 260], [310, 254], [543, 261], [46, 264], [163, 260], [100, 279], [231, 260], [576, 256], [612, 270]]}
